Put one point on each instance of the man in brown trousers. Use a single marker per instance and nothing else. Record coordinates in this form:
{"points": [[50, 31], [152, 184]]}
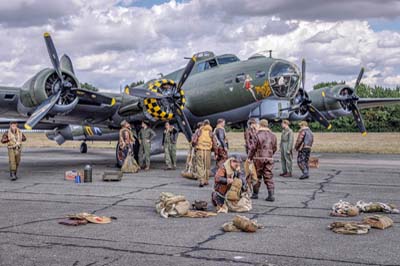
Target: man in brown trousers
{"points": [[221, 153], [262, 153], [13, 138], [250, 134]]}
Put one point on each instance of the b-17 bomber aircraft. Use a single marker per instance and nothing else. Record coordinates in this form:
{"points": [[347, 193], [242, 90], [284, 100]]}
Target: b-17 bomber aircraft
{"points": [[209, 87]]}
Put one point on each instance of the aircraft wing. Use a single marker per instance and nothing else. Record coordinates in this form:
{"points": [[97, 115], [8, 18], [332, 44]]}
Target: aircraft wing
{"points": [[5, 123], [364, 103]]}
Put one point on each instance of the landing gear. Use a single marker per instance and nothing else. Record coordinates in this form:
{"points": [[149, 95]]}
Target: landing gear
{"points": [[119, 156], [83, 148]]}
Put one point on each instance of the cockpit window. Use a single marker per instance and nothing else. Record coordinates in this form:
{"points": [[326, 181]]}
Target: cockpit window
{"points": [[222, 60], [284, 78], [206, 65]]}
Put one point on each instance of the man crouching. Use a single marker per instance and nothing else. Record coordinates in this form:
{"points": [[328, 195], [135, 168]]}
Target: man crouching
{"points": [[228, 184], [13, 138]]}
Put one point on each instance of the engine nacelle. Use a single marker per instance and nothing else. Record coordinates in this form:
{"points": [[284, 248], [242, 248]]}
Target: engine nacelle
{"points": [[331, 108], [41, 86]]}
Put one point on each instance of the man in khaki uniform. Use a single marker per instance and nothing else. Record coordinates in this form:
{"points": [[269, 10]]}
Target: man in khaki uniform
{"points": [[13, 138], [146, 134], [203, 142], [170, 137], [287, 139]]}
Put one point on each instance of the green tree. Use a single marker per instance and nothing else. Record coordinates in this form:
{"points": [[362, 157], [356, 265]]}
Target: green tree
{"points": [[89, 87]]}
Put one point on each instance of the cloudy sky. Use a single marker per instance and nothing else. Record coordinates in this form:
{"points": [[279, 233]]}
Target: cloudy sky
{"points": [[113, 42]]}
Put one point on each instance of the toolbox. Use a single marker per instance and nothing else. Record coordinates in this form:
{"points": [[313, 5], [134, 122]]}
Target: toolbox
{"points": [[112, 176]]}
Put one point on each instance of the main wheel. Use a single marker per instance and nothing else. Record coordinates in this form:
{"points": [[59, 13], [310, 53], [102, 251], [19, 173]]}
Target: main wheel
{"points": [[83, 148], [119, 156]]}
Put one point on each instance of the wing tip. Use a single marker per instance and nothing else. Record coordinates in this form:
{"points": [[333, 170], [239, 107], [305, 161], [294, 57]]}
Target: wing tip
{"points": [[27, 127]]}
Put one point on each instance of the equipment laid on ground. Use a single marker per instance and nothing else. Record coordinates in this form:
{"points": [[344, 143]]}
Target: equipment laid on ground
{"points": [[241, 224], [188, 172], [313, 162], [112, 176], [71, 174], [87, 174]]}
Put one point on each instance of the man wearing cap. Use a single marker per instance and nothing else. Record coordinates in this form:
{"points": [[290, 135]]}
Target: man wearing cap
{"points": [[203, 141], [170, 137], [250, 134], [262, 153], [146, 135], [221, 154], [13, 138], [304, 142], [126, 139], [224, 177], [287, 139]]}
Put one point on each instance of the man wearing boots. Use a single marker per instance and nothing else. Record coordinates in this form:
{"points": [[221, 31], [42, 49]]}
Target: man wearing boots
{"points": [[221, 154], [146, 134], [126, 140], [303, 145], [170, 137], [262, 153], [250, 134], [203, 142], [287, 139], [13, 138], [224, 178]]}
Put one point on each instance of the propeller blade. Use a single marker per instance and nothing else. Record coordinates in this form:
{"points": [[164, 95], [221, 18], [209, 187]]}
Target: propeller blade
{"points": [[303, 73], [186, 72], [143, 93], [92, 97], [53, 55], [358, 119], [183, 123], [318, 116], [66, 63], [360, 75], [41, 111]]}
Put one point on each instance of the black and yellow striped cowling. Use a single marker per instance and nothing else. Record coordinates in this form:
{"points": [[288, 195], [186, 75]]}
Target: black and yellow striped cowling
{"points": [[154, 107]]}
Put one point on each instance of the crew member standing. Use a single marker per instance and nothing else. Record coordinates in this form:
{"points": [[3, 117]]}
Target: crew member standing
{"points": [[221, 154], [303, 145], [203, 143], [287, 139], [170, 137], [13, 138], [126, 140], [146, 135], [262, 153], [250, 134]]}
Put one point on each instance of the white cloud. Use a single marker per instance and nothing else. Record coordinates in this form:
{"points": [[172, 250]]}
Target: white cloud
{"points": [[109, 43]]}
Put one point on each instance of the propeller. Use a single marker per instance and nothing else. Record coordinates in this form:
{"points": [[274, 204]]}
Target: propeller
{"points": [[305, 104], [56, 101], [181, 118], [144, 93], [350, 101]]}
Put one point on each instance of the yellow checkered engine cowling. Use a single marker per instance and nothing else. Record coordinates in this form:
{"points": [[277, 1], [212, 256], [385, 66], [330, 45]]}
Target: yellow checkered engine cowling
{"points": [[154, 109]]}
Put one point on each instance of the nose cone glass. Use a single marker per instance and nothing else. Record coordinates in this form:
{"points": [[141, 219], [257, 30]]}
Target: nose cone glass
{"points": [[284, 79]]}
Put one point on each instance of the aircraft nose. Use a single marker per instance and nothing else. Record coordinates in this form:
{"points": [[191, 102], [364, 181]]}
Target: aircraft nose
{"points": [[284, 79]]}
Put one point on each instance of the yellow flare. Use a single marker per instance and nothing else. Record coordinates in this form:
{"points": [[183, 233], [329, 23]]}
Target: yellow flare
{"points": [[46, 34], [27, 127]]}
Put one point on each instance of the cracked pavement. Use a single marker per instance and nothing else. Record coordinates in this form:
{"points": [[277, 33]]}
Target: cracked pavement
{"points": [[295, 230]]}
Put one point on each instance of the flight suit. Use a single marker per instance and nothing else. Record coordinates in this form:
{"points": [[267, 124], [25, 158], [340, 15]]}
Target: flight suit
{"points": [[14, 144], [222, 146], [126, 142], [170, 137], [262, 153], [249, 138], [303, 145], [145, 137], [287, 139], [204, 143]]}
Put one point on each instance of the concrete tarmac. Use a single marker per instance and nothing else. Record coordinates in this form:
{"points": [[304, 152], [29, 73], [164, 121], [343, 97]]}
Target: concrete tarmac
{"points": [[295, 230]]}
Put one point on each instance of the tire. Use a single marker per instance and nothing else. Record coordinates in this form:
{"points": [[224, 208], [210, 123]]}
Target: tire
{"points": [[83, 148], [118, 156]]}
